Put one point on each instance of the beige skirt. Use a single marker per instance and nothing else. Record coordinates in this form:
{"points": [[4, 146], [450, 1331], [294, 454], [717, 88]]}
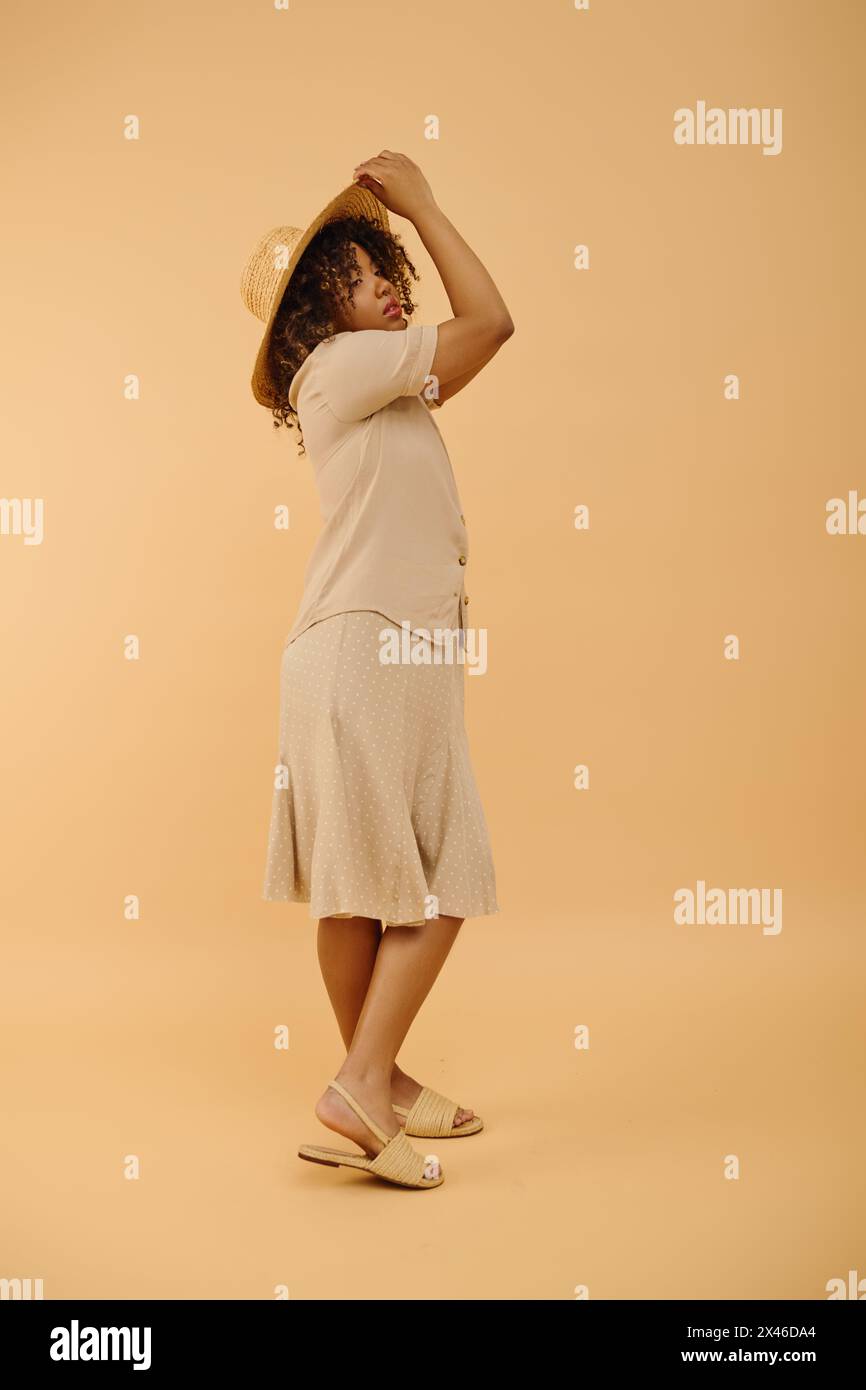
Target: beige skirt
{"points": [[375, 809]]}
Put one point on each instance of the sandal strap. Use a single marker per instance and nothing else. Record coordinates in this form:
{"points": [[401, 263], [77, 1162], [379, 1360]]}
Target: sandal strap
{"points": [[399, 1161], [362, 1114], [433, 1114]]}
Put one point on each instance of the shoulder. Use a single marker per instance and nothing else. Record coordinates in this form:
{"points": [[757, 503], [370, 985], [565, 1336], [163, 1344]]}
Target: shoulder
{"points": [[375, 343], [360, 371], [306, 372], [378, 343]]}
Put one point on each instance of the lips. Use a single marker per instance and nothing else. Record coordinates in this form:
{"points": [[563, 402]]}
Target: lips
{"points": [[391, 308]]}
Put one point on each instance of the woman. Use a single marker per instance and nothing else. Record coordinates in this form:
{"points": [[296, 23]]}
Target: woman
{"points": [[376, 820]]}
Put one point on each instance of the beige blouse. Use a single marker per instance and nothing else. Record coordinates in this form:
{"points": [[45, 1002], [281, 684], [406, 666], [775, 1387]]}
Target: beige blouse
{"points": [[393, 539]]}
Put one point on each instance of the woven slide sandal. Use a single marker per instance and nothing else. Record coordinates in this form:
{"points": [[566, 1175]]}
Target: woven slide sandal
{"points": [[432, 1116], [397, 1162]]}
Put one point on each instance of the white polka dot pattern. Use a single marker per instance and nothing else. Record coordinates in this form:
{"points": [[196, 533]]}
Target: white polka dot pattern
{"points": [[381, 816]]}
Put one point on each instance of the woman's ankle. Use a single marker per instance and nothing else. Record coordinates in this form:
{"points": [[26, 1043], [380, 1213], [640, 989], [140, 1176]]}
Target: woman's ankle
{"points": [[373, 1077]]}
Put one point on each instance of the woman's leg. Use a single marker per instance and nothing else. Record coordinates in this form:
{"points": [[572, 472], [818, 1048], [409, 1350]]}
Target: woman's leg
{"points": [[347, 949], [407, 962]]}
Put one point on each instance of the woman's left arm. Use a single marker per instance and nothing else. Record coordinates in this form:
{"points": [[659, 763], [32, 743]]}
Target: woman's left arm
{"points": [[457, 383]]}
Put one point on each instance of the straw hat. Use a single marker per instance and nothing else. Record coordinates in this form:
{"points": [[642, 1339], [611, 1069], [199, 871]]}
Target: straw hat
{"points": [[273, 262]]}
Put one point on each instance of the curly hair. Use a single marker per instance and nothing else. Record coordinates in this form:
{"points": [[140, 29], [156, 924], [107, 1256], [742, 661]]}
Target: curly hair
{"points": [[325, 275]]}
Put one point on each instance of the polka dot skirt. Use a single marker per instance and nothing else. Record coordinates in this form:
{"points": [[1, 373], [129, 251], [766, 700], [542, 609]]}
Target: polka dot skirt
{"points": [[375, 809]]}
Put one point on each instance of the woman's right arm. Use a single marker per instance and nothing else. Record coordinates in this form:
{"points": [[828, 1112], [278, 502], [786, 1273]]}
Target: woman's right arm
{"points": [[481, 321]]}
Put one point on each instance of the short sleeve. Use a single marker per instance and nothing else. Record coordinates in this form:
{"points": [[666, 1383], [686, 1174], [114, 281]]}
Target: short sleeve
{"points": [[360, 372]]}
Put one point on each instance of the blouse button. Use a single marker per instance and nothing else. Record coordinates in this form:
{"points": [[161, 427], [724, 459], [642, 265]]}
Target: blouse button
{"points": [[462, 559], [463, 518], [465, 598]]}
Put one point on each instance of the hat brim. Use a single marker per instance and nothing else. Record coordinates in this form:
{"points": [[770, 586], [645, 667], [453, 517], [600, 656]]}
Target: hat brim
{"points": [[354, 201]]}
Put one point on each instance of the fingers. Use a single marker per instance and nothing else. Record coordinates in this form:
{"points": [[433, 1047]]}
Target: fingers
{"points": [[381, 160], [371, 166], [379, 167], [363, 172]]}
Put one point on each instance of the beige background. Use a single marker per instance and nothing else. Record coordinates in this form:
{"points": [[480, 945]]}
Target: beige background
{"points": [[602, 1167]]}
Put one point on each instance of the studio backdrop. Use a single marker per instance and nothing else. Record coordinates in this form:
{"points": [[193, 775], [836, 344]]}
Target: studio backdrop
{"points": [[662, 474]]}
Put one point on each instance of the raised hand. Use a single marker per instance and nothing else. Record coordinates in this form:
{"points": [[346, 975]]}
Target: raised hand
{"points": [[397, 182]]}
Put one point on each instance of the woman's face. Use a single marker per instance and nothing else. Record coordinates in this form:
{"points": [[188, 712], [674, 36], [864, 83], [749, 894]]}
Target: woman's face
{"points": [[374, 299]]}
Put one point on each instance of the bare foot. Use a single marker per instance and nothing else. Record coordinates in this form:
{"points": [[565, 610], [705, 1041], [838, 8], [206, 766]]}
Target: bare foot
{"points": [[405, 1091]]}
